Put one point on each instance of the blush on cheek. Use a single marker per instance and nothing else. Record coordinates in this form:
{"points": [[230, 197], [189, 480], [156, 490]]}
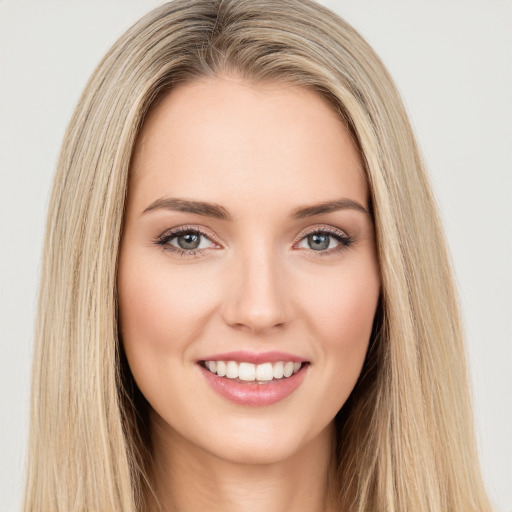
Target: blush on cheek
{"points": [[149, 302], [343, 318], [345, 306], [140, 311]]}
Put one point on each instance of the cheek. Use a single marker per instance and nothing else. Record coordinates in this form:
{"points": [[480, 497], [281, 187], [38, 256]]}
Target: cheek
{"points": [[341, 314], [343, 304], [161, 313], [157, 305]]}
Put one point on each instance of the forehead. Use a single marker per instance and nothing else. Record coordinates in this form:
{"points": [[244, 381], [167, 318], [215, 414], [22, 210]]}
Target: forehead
{"points": [[219, 139]]}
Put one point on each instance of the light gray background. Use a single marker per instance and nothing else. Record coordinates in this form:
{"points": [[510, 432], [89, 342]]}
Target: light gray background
{"points": [[452, 60]]}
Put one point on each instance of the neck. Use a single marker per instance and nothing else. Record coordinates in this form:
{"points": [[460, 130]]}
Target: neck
{"points": [[188, 479]]}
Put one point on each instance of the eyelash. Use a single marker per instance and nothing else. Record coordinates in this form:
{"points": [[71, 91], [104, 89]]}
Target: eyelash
{"points": [[163, 240]]}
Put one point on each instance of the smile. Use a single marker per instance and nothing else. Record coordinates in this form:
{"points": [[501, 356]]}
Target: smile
{"points": [[249, 372], [250, 379]]}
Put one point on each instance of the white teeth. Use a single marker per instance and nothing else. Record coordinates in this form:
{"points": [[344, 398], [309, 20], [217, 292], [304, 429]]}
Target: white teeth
{"points": [[250, 372], [288, 369], [232, 370], [221, 368], [264, 372], [278, 370], [246, 371]]}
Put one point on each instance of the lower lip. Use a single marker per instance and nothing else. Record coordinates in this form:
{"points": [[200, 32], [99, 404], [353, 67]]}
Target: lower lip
{"points": [[252, 393]]}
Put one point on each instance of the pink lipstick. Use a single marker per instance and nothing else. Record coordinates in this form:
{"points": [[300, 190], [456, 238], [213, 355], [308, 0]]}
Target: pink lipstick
{"points": [[254, 379]]}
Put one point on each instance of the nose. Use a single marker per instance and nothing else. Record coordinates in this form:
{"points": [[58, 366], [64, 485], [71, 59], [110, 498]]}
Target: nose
{"points": [[256, 298]]}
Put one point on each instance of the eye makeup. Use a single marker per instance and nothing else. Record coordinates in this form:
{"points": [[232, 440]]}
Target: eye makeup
{"points": [[318, 236], [191, 234], [321, 241]]}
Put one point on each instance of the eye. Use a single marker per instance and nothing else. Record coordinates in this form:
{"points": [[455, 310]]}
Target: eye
{"points": [[325, 240], [185, 241]]}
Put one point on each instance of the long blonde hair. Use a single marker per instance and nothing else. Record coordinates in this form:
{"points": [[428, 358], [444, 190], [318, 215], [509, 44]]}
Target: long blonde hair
{"points": [[405, 436]]}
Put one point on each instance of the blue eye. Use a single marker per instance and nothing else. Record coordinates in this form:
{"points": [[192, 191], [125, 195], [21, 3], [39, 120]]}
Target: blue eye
{"points": [[185, 241], [325, 241], [188, 240], [319, 241]]}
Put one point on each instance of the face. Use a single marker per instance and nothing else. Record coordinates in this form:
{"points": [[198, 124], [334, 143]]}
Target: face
{"points": [[248, 279]]}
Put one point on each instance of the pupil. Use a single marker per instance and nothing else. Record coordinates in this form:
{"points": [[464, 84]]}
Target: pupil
{"points": [[188, 241], [318, 242]]}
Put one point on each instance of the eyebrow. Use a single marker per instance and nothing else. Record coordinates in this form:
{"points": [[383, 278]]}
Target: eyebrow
{"points": [[329, 206], [219, 212], [185, 205]]}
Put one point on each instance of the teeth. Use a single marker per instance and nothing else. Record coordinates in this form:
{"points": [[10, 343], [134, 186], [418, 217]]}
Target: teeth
{"points": [[221, 368], [278, 370], [264, 372], [249, 372], [288, 369], [246, 371], [232, 370]]}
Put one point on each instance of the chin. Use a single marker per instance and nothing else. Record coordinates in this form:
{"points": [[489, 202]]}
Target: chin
{"points": [[265, 444], [255, 454]]}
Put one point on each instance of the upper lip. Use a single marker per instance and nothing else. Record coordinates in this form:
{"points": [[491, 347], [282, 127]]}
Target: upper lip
{"points": [[242, 356]]}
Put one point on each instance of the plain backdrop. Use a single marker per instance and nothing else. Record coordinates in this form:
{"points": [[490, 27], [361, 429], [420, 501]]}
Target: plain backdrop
{"points": [[452, 61]]}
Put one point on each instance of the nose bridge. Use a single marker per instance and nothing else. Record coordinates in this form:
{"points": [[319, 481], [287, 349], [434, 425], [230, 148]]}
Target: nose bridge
{"points": [[257, 298]]}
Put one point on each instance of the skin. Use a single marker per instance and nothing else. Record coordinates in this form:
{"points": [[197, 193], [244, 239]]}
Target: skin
{"points": [[260, 152]]}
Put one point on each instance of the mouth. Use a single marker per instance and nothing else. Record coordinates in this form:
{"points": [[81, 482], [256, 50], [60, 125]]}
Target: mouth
{"points": [[245, 372], [262, 380]]}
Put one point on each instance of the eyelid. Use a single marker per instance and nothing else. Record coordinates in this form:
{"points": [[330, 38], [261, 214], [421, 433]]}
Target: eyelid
{"points": [[344, 240], [323, 228], [163, 241], [173, 232]]}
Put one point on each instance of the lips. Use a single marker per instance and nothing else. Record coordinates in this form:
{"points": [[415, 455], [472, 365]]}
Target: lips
{"points": [[254, 379]]}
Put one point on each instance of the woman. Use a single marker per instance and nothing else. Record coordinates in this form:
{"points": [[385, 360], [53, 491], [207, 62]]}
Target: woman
{"points": [[245, 281]]}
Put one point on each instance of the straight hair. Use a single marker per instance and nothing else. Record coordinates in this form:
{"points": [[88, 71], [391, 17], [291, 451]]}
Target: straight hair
{"points": [[405, 439]]}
